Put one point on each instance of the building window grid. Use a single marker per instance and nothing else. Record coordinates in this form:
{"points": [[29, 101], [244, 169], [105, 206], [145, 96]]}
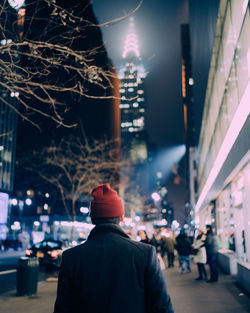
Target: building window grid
{"points": [[206, 142]]}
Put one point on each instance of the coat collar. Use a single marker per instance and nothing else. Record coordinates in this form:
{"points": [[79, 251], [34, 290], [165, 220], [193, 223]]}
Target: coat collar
{"points": [[107, 227]]}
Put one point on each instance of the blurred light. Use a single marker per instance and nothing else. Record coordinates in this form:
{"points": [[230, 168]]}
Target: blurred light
{"points": [[84, 210], [1, 148], [28, 201], [54, 253], [28, 252], [56, 223], [235, 127], [191, 81], [14, 201], [159, 174], [127, 221], [175, 224], [46, 206], [170, 156], [30, 193], [137, 218], [164, 211], [156, 196], [36, 223], [47, 195], [16, 226]]}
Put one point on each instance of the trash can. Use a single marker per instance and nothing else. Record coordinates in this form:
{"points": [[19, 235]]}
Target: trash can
{"points": [[27, 276]]}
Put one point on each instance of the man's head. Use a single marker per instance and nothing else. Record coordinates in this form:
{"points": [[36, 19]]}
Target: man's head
{"points": [[209, 228], [106, 206]]}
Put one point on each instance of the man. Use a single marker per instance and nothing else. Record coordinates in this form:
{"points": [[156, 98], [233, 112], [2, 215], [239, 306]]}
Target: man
{"points": [[183, 246], [110, 273], [211, 245], [169, 243]]}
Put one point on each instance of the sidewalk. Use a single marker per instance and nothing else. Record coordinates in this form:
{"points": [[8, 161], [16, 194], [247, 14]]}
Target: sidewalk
{"points": [[191, 296], [188, 296]]}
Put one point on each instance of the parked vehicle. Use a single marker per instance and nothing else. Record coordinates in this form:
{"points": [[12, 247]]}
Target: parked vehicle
{"points": [[48, 251]]}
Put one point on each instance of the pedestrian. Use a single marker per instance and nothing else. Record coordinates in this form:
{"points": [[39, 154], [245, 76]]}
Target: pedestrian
{"points": [[183, 246], [155, 241], [200, 257], [143, 236], [169, 243], [211, 245], [110, 272]]}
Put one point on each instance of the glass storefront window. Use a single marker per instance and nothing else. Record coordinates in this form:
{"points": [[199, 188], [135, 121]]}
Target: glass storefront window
{"points": [[223, 117], [228, 40], [241, 56], [238, 12], [232, 93]]}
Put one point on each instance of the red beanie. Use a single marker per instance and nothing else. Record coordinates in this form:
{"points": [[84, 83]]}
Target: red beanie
{"points": [[106, 202]]}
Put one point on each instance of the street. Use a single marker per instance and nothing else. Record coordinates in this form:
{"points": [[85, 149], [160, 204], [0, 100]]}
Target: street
{"points": [[8, 270], [187, 294]]}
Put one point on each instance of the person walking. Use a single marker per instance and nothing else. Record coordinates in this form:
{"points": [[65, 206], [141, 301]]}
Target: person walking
{"points": [[183, 246], [110, 272], [211, 245], [200, 257], [169, 243]]}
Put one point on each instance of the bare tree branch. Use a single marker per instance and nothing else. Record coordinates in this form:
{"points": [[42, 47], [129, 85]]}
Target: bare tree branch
{"points": [[75, 167], [46, 67]]}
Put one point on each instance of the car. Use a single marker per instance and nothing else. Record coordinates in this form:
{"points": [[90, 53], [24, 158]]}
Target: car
{"points": [[48, 251]]}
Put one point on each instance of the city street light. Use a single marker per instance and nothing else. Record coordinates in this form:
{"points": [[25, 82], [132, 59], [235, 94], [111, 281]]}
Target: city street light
{"points": [[14, 202], [28, 201], [156, 196], [84, 210]]}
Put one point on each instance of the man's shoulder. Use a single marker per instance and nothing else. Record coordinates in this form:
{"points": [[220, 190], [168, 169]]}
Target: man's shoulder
{"points": [[73, 250], [131, 244]]}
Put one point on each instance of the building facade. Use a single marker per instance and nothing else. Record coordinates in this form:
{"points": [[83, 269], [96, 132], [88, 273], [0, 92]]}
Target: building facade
{"points": [[132, 107], [224, 145], [189, 116], [12, 17]]}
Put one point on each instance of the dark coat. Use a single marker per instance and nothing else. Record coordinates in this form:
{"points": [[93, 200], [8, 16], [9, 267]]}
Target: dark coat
{"points": [[110, 273], [183, 245], [211, 243]]}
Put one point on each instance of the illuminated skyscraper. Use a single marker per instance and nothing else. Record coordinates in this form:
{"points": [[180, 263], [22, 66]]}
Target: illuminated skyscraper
{"points": [[132, 106], [11, 31]]}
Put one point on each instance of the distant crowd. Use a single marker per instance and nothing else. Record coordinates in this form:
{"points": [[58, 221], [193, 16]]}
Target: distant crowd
{"points": [[203, 247]]}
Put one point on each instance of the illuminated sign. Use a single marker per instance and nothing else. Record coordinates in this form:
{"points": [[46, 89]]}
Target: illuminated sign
{"points": [[4, 200]]}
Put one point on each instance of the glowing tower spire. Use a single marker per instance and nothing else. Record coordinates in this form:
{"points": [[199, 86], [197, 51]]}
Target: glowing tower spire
{"points": [[131, 43]]}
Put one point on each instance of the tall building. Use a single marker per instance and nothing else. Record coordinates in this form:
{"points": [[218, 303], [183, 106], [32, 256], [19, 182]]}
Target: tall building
{"points": [[12, 18], [95, 117], [189, 115], [132, 108], [224, 145]]}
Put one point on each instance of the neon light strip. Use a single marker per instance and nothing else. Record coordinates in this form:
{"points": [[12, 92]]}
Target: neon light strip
{"points": [[235, 127]]}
